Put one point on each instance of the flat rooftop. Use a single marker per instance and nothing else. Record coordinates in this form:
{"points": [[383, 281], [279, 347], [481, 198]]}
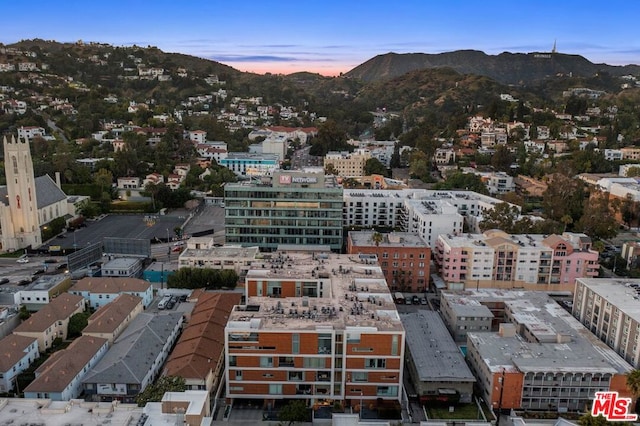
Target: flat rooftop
{"points": [[45, 282], [121, 263], [41, 412], [623, 293], [224, 252], [392, 239], [435, 354], [557, 342], [354, 294]]}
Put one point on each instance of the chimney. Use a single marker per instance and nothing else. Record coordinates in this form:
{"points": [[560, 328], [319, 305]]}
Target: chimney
{"points": [[58, 180]]}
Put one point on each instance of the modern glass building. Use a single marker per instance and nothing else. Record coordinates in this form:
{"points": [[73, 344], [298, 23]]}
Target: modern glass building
{"points": [[291, 207]]}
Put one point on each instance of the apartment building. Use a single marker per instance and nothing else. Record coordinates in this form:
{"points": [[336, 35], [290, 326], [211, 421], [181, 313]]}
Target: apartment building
{"points": [[202, 253], [316, 326], [59, 378], [99, 291], [403, 257], [541, 358], [437, 368], [291, 207], [609, 308], [52, 320], [16, 355], [496, 259], [464, 314], [347, 164], [111, 319], [198, 356], [247, 164], [422, 211]]}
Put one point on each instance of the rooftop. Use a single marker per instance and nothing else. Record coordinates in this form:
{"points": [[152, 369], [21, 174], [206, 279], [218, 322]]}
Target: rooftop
{"points": [[121, 263], [109, 317], [60, 308], [225, 252], [623, 293], [46, 282], [130, 357], [355, 294], [392, 239], [434, 353], [41, 412], [549, 339], [202, 341], [13, 349], [63, 366], [110, 285]]}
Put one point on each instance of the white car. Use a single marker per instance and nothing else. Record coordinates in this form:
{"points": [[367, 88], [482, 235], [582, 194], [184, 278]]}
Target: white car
{"points": [[23, 260]]}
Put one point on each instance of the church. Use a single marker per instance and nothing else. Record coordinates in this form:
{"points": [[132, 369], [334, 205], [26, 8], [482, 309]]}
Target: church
{"points": [[26, 202]]}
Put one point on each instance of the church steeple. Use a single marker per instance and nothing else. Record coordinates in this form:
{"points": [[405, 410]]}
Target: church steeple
{"points": [[21, 195], [554, 50]]}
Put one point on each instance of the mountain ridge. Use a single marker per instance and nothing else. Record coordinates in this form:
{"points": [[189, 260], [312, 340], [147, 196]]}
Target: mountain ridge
{"points": [[506, 67]]}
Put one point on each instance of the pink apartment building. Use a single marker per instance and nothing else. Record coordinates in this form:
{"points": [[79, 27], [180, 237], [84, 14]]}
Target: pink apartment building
{"points": [[496, 259]]}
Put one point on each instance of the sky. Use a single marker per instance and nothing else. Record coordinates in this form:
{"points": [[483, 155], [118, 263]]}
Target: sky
{"points": [[332, 36]]}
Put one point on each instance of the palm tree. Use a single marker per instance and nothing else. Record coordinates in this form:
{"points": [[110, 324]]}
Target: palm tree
{"points": [[633, 382], [377, 238]]}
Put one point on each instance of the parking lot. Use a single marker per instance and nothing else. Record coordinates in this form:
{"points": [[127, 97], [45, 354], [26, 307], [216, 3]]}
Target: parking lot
{"points": [[120, 226]]}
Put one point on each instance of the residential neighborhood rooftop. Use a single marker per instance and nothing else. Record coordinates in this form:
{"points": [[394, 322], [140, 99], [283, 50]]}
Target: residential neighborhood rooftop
{"points": [[435, 355], [355, 294], [110, 285], [110, 316]]}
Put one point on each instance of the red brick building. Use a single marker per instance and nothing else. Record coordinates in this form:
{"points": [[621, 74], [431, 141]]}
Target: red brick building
{"points": [[403, 257]]}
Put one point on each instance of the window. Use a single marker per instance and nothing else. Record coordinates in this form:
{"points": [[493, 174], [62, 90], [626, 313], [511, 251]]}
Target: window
{"points": [[238, 374], [375, 363], [387, 391], [295, 376], [314, 363], [394, 344], [295, 343], [266, 361], [359, 376], [275, 389]]}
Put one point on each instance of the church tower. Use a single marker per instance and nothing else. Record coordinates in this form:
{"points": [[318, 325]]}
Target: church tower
{"points": [[24, 227]]}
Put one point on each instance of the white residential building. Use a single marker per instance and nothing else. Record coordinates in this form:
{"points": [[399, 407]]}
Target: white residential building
{"points": [[16, 355], [396, 209], [30, 132]]}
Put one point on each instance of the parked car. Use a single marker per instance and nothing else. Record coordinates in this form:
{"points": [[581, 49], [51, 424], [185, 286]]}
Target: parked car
{"points": [[4, 281], [50, 261], [170, 305], [62, 266], [415, 300], [183, 297], [23, 260], [423, 301]]}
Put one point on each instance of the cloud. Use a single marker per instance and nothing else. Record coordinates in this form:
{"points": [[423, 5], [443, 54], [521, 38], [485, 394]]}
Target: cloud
{"points": [[254, 58]]}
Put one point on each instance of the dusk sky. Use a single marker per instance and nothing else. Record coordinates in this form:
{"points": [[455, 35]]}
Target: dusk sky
{"points": [[329, 37]]}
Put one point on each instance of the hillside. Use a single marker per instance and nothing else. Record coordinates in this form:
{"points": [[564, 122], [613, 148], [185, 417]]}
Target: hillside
{"points": [[506, 68]]}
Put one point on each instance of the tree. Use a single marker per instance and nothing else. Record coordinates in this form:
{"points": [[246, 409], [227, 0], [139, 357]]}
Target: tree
{"points": [[588, 420], [466, 181], [373, 166], [295, 411], [502, 158], [598, 219], [103, 177], [77, 323], [377, 238], [154, 392], [24, 313], [563, 196], [633, 382], [503, 216], [330, 138]]}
